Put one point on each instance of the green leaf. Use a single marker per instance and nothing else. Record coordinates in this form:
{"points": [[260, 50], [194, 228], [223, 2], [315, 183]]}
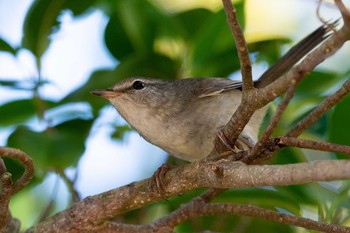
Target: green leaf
{"points": [[268, 51], [192, 20], [26, 85], [133, 27], [4, 46], [338, 211], [305, 194], [214, 54], [78, 7], [18, 111], [339, 125], [150, 65], [41, 21], [316, 84], [289, 155], [58, 147], [120, 131], [220, 65], [35, 144], [270, 199], [9, 83], [319, 128], [263, 197], [309, 94], [68, 142], [230, 223], [116, 38], [14, 167]]}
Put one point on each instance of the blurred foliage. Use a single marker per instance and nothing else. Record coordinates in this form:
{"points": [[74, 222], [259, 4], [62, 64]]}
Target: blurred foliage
{"points": [[148, 40], [4, 46]]}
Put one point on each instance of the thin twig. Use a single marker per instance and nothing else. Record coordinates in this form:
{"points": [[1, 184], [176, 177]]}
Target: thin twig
{"points": [[328, 103], [198, 209], [313, 145], [70, 184], [318, 12], [203, 209], [3, 168], [241, 44], [211, 194], [276, 118], [345, 13], [49, 207]]}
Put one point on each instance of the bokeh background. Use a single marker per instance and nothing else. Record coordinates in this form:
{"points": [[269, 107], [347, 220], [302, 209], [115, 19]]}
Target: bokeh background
{"points": [[53, 52]]}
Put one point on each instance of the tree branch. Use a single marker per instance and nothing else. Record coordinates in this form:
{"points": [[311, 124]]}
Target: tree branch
{"points": [[198, 208], [261, 97], [328, 103], [313, 145], [94, 211], [275, 119], [26, 161], [8, 187], [241, 45]]}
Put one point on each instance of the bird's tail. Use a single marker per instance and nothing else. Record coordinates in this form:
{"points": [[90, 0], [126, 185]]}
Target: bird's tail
{"points": [[297, 52]]}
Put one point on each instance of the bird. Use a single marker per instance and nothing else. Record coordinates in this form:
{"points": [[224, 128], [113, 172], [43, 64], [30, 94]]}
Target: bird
{"points": [[184, 116]]}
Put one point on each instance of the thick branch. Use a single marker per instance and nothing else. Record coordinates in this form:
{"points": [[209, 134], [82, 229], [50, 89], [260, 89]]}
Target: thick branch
{"points": [[93, 211]]}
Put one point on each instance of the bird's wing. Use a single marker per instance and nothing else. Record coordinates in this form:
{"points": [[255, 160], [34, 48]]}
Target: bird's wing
{"points": [[218, 87]]}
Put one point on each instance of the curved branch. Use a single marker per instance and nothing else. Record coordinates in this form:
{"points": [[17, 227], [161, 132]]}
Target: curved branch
{"points": [[8, 188], [26, 161]]}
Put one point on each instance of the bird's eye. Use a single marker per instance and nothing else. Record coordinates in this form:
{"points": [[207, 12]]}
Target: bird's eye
{"points": [[138, 85]]}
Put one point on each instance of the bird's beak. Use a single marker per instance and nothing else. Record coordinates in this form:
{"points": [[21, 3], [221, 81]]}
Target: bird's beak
{"points": [[107, 94]]}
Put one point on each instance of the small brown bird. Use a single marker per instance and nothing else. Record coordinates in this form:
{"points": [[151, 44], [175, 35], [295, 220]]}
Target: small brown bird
{"points": [[184, 116]]}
